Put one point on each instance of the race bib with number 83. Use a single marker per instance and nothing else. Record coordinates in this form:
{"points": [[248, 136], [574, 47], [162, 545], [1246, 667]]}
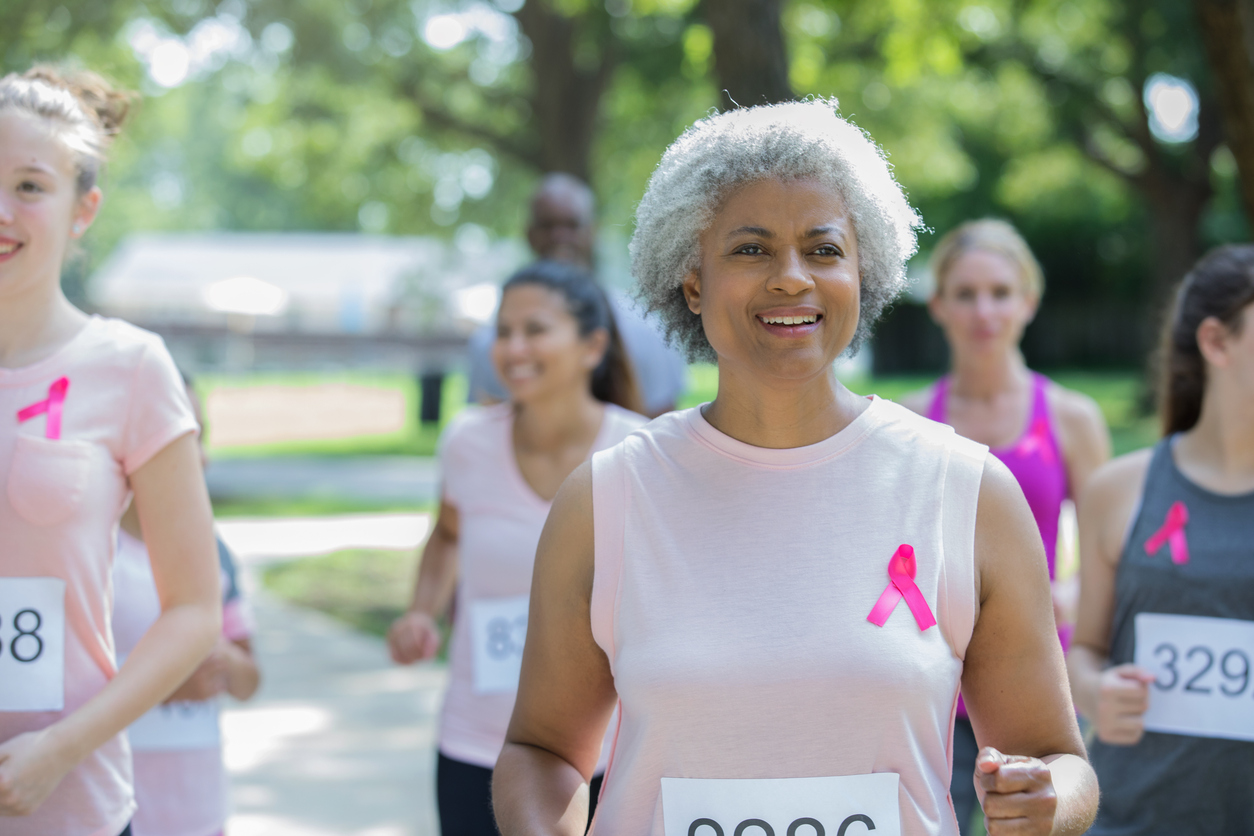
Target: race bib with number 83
{"points": [[32, 644], [498, 628], [848, 805], [1204, 669]]}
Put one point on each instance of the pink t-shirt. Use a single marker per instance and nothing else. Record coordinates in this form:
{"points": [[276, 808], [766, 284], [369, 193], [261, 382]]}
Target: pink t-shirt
{"points": [[500, 519], [181, 785], [59, 510], [731, 595]]}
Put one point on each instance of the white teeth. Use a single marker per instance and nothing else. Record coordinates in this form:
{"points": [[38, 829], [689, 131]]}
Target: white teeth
{"points": [[5, 249], [790, 320]]}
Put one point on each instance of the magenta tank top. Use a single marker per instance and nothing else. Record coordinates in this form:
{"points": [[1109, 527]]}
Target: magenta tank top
{"points": [[1035, 460]]}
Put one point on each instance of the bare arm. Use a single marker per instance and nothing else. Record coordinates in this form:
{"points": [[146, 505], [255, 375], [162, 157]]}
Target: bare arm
{"points": [[566, 694], [1115, 699], [1014, 679], [415, 636], [177, 525]]}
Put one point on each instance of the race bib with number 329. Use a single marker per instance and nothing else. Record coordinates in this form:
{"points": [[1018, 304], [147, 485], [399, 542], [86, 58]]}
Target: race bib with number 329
{"points": [[848, 805], [498, 628], [1204, 674], [32, 644]]}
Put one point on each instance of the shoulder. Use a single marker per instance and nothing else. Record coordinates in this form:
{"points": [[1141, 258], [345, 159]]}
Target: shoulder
{"points": [[1116, 482], [124, 344], [622, 422], [1076, 413], [473, 427]]}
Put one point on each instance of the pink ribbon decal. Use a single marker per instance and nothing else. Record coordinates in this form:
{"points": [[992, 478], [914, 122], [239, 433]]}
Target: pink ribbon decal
{"points": [[901, 572], [51, 405], [1172, 532], [1037, 441]]}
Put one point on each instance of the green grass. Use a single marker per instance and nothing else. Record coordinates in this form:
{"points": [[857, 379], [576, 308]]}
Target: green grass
{"points": [[364, 588], [314, 506]]}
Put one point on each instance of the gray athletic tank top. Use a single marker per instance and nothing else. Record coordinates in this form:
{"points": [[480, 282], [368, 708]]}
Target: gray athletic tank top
{"points": [[1169, 783]]}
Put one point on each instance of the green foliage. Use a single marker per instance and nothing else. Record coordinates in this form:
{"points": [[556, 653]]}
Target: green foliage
{"points": [[367, 589]]}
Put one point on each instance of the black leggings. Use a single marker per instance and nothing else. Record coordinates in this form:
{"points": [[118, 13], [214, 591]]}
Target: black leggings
{"points": [[126, 832], [464, 794], [962, 782]]}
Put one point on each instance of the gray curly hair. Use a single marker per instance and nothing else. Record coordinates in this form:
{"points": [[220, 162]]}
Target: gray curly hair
{"points": [[788, 141]]}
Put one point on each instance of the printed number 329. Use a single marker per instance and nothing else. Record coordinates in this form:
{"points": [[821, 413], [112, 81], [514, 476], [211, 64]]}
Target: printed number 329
{"points": [[1234, 666]]}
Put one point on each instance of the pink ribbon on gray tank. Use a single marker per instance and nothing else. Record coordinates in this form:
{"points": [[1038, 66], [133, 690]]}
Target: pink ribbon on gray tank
{"points": [[51, 405], [1172, 532], [902, 569]]}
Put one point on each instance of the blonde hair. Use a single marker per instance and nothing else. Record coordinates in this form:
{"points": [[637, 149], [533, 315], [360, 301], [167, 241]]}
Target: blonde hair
{"points": [[988, 235], [88, 110]]}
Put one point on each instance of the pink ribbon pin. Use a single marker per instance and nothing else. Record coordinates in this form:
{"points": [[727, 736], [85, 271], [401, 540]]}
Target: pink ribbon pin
{"points": [[51, 405], [901, 572], [1037, 441], [1172, 532]]}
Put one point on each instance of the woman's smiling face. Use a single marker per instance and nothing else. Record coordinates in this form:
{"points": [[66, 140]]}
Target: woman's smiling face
{"points": [[778, 288]]}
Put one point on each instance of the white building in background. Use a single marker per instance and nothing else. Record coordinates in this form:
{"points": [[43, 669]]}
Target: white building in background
{"points": [[302, 283]]}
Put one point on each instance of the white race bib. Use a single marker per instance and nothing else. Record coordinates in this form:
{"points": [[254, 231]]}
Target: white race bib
{"points": [[498, 628], [32, 644], [177, 726], [1205, 674], [849, 805]]}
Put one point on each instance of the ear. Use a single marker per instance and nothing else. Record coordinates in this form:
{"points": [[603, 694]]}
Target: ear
{"points": [[85, 212], [692, 291], [598, 342], [935, 308], [1212, 341], [1033, 301]]}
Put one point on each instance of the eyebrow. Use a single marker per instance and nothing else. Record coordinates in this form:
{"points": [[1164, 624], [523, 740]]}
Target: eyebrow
{"points": [[762, 232], [38, 169]]}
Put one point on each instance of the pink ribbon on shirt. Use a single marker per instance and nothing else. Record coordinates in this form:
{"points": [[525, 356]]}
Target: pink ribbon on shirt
{"points": [[901, 571], [51, 405], [1037, 441], [1172, 532]]}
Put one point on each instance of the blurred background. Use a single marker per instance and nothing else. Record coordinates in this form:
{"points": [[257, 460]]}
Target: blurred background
{"points": [[319, 199]]}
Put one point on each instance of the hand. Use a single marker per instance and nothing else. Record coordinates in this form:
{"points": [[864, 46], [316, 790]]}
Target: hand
{"points": [[30, 769], [1122, 700], [1016, 792], [208, 680], [1066, 596], [414, 637]]}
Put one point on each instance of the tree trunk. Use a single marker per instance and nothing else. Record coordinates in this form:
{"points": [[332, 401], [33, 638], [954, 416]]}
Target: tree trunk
{"points": [[567, 92], [1227, 28], [750, 57]]}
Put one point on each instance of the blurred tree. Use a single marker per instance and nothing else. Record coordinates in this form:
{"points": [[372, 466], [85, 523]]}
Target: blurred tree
{"points": [[750, 57], [1227, 28]]}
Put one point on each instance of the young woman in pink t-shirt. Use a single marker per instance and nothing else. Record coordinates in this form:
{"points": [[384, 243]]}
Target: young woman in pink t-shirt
{"points": [[91, 411], [783, 590], [572, 393]]}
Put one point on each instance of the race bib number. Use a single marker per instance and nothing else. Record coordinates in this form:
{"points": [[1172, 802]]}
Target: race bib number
{"points": [[177, 726], [849, 805], [498, 627], [32, 644], [1203, 668]]}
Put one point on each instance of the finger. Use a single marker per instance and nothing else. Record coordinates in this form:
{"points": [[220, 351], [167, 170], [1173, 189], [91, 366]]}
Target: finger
{"points": [[989, 760], [1133, 673], [1027, 775]]}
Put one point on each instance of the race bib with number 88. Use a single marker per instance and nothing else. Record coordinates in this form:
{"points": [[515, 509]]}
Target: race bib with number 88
{"points": [[32, 644], [1204, 674], [498, 628], [847, 805]]}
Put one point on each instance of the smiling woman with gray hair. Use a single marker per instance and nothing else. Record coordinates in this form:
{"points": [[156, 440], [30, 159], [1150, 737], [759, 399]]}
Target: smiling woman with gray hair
{"points": [[784, 590]]}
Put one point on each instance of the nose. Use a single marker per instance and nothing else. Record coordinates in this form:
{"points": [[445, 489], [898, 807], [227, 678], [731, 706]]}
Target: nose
{"points": [[984, 305], [790, 275], [6, 211]]}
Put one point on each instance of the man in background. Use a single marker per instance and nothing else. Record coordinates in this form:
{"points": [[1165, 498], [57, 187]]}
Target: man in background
{"points": [[562, 227]]}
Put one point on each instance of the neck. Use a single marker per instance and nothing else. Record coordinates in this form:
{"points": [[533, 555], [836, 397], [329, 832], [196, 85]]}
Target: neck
{"points": [[552, 423], [781, 414], [1222, 442], [35, 324], [985, 376]]}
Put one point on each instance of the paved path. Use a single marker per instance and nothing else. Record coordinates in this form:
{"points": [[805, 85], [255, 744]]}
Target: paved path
{"points": [[262, 539], [338, 740], [386, 479]]}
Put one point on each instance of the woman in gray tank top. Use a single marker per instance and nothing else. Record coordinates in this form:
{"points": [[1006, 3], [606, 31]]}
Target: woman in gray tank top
{"points": [[1162, 662]]}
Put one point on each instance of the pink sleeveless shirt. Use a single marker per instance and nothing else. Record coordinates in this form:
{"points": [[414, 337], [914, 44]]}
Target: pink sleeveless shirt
{"points": [[731, 593]]}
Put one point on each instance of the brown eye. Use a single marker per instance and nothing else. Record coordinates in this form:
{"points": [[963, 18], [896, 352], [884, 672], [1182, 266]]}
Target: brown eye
{"points": [[750, 249], [830, 250]]}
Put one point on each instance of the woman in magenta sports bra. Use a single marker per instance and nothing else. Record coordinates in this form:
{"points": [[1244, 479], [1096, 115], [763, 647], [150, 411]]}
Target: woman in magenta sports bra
{"points": [[988, 286], [783, 590]]}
